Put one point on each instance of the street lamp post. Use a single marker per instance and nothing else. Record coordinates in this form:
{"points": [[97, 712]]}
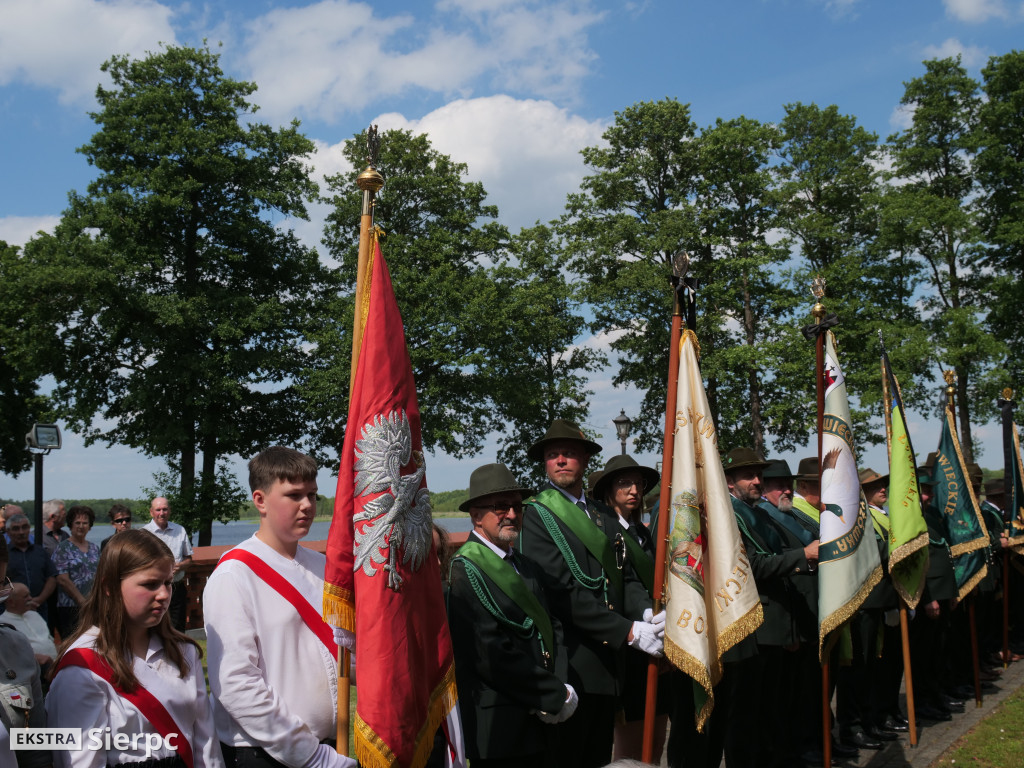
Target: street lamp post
{"points": [[622, 426], [40, 440]]}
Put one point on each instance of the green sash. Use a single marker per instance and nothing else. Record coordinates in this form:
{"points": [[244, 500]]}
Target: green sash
{"points": [[552, 503], [512, 584], [643, 563], [806, 510]]}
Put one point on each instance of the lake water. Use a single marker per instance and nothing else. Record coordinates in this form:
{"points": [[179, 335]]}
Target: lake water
{"points": [[239, 530]]}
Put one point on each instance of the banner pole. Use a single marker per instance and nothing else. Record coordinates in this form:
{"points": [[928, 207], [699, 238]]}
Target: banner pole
{"points": [[370, 182], [680, 264]]}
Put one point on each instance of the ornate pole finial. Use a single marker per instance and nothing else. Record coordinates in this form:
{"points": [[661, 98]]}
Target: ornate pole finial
{"points": [[680, 264], [1007, 393], [818, 292], [370, 179], [950, 377]]}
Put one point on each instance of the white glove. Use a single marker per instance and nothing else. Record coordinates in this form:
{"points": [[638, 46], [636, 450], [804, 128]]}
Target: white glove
{"points": [[647, 639], [344, 638], [327, 756], [570, 705], [658, 621]]}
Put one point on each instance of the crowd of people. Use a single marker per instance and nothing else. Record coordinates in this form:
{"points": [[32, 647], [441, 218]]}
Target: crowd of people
{"points": [[550, 609]]}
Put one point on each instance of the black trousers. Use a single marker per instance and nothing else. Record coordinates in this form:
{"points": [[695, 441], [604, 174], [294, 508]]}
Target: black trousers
{"points": [[585, 739], [178, 609]]}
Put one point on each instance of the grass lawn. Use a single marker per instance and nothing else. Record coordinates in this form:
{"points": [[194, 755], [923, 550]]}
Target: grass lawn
{"points": [[995, 742]]}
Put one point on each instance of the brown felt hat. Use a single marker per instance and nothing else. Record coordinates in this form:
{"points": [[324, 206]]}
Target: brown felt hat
{"points": [[488, 479], [742, 458], [807, 469], [562, 429], [616, 466], [868, 476]]}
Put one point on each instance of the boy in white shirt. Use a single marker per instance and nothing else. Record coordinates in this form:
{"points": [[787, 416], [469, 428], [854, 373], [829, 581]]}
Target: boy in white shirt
{"points": [[271, 657]]}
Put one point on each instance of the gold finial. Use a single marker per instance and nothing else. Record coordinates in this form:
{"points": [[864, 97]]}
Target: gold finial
{"points": [[818, 292], [950, 377], [680, 264], [370, 179], [1007, 394]]}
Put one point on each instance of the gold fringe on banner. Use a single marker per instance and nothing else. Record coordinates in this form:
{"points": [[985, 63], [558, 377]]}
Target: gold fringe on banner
{"points": [[900, 554], [372, 752], [841, 616], [339, 607]]}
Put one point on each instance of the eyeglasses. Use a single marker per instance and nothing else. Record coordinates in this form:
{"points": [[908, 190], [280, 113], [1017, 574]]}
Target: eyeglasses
{"points": [[122, 521], [502, 508], [625, 482]]}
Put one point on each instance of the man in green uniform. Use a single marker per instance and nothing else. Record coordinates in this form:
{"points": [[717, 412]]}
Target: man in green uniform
{"points": [[509, 657], [776, 558], [603, 606]]}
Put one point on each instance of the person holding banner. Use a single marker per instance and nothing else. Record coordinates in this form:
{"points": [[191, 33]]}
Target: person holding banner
{"points": [[126, 677], [621, 487], [603, 605], [272, 666], [510, 662]]}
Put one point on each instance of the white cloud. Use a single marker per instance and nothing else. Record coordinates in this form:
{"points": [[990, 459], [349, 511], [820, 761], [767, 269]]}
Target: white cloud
{"points": [[336, 56], [60, 44], [902, 117], [970, 55], [525, 152], [18, 230], [976, 11]]}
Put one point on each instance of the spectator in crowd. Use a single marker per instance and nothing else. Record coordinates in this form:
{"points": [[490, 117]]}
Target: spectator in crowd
{"points": [[53, 525], [121, 519], [31, 624], [75, 560], [177, 540], [29, 564]]}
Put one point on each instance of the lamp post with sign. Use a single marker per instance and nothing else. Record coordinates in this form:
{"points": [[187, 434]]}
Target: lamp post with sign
{"points": [[622, 424], [40, 440]]}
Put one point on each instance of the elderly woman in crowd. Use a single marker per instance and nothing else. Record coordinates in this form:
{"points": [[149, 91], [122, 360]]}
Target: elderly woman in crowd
{"points": [[75, 560]]}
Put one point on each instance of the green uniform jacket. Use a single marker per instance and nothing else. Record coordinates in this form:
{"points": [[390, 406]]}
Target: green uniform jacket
{"points": [[596, 621], [500, 670], [940, 581], [787, 617], [993, 517]]}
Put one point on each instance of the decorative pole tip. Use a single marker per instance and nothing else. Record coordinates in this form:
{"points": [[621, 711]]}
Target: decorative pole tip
{"points": [[370, 179], [950, 377], [1007, 394], [680, 264], [818, 292]]}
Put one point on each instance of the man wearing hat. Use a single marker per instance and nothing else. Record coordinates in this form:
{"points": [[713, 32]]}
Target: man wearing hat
{"points": [[807, 496], [776, 558], [603, 605], [994, 508], [510, 661], [777, 499]]}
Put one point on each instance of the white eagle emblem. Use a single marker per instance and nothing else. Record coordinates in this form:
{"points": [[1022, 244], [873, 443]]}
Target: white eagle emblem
{"points": [[399, 520]]}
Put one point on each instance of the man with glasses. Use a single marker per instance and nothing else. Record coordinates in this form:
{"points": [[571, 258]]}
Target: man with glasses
{"points": [[121, 519], [603, 606], [30, 564], [509, 657]]}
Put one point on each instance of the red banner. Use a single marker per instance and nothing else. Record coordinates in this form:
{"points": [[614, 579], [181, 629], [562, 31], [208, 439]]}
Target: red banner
{"points": [[383, 580]]}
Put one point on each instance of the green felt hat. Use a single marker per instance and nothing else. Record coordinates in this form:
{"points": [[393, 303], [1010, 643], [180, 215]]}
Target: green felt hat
{"points": [[562, 429], [488, 479]]}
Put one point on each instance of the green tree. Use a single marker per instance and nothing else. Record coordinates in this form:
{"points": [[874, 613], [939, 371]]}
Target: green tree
{"points": [[632, 213], [746, 307], [829, 192], [932, 212], [180, 309], [439, 236], [537, 370], [1000, 170], [21, 403]]}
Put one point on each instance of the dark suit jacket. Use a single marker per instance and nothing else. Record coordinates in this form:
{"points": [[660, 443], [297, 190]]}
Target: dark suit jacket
{"points": [[500, 671], [596, 621], [940, 581], [787, 616]]}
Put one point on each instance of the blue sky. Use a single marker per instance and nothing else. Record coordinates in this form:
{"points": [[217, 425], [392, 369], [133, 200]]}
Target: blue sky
{"points": [[513, 88]]}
